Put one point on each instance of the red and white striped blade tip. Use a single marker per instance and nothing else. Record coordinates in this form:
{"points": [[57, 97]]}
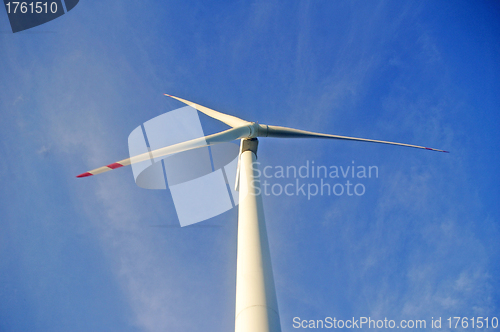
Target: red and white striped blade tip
{"points": [[83, 175], [110, 166], [437, 150]]}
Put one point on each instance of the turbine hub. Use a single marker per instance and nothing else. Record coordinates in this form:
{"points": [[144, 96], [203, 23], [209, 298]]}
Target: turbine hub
{"points": [[257, 130]]}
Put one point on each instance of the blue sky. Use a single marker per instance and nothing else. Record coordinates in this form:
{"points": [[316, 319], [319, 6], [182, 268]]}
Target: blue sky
{"points": [[101, 254]]}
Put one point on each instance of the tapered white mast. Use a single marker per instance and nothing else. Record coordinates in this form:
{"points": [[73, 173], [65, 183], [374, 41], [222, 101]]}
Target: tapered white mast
{"points": [[256, 304]]}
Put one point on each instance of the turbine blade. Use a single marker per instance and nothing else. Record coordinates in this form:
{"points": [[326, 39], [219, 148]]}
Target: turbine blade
{"points": [[230, 120], [284, 132], [224, 136]]}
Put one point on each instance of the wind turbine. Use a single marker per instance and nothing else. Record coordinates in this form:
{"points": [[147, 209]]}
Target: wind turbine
{"points": [[256, 303]]}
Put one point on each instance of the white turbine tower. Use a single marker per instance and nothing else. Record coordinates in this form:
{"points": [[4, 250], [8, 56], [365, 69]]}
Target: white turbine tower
{"points": [[256, 303]]}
